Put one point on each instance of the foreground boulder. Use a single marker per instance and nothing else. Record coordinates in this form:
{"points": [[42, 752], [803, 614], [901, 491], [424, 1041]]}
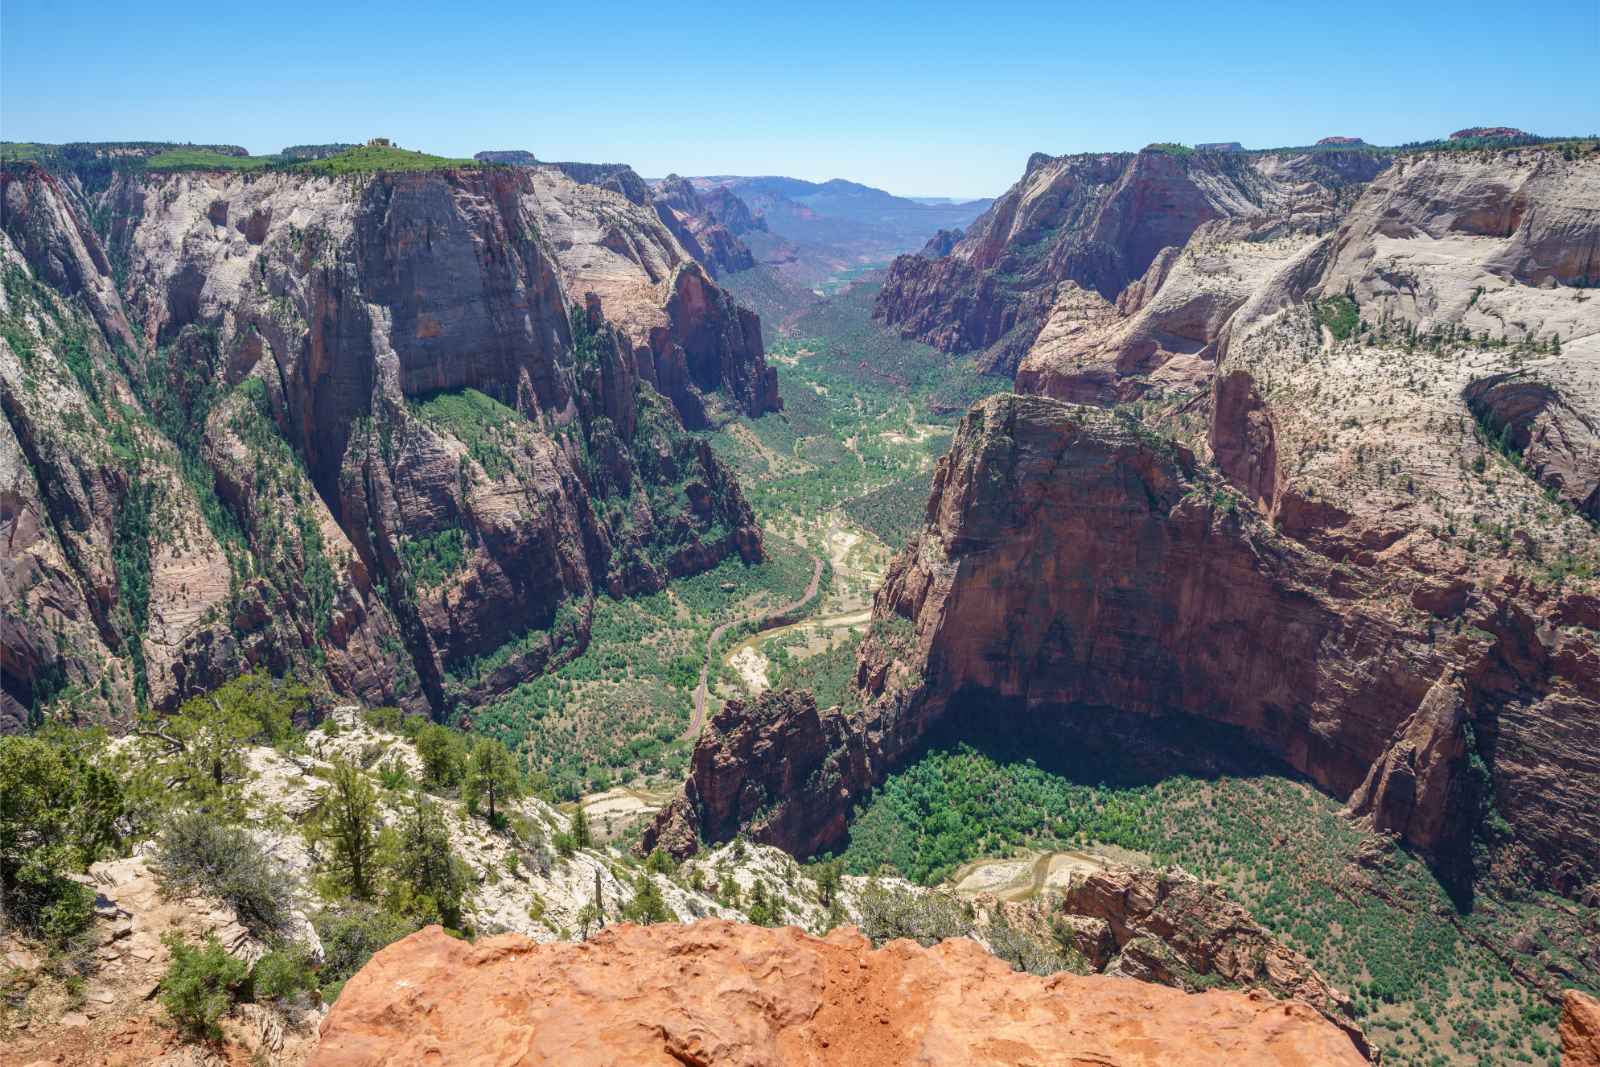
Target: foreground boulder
{"points": [[729, 994], [1580, 1030]]}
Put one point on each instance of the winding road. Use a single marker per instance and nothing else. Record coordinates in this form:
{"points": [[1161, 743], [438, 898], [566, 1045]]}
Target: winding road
{"points": [[701, 693]]}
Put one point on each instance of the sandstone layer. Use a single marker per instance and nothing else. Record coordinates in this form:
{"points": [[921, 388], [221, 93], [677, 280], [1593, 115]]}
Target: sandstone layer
{"points": [[720, 993], [1580, 1030], [1097, 223], [707, 224], [375, 426]]}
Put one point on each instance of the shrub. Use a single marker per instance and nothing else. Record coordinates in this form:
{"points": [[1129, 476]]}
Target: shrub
{"points": [[58, 812], [443, 755], [197, 854], [888, 912], [200, 985], [491, 776], [428, 881], [647, 905], [350, 934], [283, 973]]}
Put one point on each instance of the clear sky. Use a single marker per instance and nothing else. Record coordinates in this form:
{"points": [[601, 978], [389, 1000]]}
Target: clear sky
{"points": [[921, 99]]}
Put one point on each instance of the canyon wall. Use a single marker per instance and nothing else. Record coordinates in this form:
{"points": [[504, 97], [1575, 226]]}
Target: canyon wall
{"points": [[385, 428], [1096, 223]]}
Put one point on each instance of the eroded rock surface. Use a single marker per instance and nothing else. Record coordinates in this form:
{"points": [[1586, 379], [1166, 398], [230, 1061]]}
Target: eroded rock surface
{"points": [[375, 427], [1096, 222], [1580, 1030], [718, 992]]}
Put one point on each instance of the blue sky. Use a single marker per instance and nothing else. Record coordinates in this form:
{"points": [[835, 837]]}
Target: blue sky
{"points": [[921, 99]]}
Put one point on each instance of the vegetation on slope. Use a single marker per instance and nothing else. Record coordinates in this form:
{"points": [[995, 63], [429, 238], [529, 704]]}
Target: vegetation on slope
{"points": [[1371, 917]]}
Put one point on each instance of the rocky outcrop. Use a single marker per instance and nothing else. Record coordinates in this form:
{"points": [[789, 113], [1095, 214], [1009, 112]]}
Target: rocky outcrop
{"points": [[689, 338], [618, 178], [1096, 222], [1337, 140], [1580, 1030], [1494, 132], [717, 992], [1171, 929], [356, 428], [518, 157], [707, 225], [1155, 591], [1161, 336], [778, 767]]}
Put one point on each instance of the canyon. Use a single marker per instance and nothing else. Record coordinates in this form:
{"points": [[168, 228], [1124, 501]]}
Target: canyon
{"points": [[1293, 495], [1304, 566]]}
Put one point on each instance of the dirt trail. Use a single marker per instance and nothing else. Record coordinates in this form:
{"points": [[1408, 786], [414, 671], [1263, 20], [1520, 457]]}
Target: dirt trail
{"points": [[701, 694]]}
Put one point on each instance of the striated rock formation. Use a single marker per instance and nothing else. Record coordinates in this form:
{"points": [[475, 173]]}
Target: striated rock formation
{"points": [[709, 225], [717, 992], [689, 338], [1161, 335], [1096, 222], [1219, 146], [1580, 1030], [1336, 140], [778, 766], [1152, 591], [346, 423], [1171, 929]]}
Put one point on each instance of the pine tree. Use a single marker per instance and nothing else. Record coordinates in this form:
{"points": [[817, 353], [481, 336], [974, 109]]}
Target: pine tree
{"points": [[348, 820], [491, 776]]}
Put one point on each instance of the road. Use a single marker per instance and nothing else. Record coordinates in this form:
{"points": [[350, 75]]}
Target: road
{"points": [[701, 693]]}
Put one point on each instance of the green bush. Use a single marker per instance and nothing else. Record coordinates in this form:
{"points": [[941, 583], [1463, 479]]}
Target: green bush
{"points": [[197, 854], [427, 881], [647, 905], [282, 974], [58, 813], [443, 753], [200, 985], [351, 933]]}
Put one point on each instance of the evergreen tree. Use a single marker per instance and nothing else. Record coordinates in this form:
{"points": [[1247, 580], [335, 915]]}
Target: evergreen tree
{"points": [[347, 819], [491, 776], [429, 881]]}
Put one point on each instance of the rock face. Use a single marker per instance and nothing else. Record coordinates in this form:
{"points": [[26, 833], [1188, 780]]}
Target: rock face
{"points": [[1168, 928], [708, 226], [1336, 140], [778, 766], [1488, 131], [1096, 222], [1580, 1030], [688, 337], [718, 992], [351, 423], [1153, 592], [1324, 568]]}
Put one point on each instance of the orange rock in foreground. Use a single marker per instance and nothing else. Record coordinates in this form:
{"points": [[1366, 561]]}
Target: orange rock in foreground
{"points": [[733, 995], [1580, 1030]]}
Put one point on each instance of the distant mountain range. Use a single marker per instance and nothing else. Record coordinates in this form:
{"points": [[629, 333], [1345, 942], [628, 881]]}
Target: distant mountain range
{"points": [[815, 230]]}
